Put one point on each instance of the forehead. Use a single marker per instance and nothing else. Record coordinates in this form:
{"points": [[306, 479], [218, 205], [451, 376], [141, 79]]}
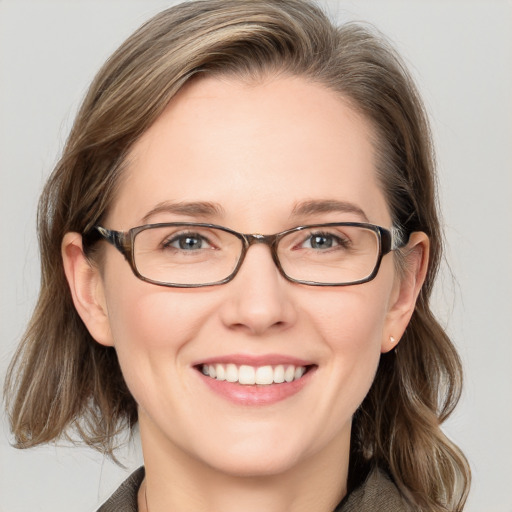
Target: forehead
{"points": [[252, 148]]}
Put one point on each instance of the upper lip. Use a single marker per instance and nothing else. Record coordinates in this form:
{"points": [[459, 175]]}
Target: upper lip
{"points": [[255, 360]]}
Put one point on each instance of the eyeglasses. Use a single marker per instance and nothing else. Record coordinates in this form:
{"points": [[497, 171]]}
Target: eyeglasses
{"points": [[189, 255]]}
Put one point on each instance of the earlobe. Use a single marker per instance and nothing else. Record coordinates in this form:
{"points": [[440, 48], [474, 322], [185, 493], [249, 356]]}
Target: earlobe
{"points": [[86, 288], [408, 287]]}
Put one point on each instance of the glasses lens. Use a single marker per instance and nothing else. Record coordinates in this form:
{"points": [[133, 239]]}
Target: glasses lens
{"points": [[185, 254], [329, 254]]}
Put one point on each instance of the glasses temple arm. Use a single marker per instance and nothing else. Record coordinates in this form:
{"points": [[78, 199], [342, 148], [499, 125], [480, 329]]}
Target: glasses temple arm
{"points": [[116, 238], [393, 239], [399, 238]]}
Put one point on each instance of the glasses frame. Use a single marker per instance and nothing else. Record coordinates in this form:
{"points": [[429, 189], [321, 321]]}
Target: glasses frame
{"points": [[123, 241]]}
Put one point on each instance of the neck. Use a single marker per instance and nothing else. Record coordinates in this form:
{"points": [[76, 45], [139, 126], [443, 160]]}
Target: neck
{"points": [[177, 480]]}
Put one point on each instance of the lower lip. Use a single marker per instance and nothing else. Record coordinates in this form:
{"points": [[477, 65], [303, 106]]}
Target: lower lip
{"points": [[257, 394]]}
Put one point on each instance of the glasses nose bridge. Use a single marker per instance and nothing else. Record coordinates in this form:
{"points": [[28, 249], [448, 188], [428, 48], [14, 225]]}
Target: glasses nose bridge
{"points": [[257, 238], [268, 240]]}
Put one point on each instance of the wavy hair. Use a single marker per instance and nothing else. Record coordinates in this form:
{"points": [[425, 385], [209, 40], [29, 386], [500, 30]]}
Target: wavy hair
{"points": [[61, 380]]}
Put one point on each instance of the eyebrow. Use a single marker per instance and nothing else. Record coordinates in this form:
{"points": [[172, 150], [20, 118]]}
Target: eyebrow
{"points": [[191, 209], [315, 207], [209, 209]]}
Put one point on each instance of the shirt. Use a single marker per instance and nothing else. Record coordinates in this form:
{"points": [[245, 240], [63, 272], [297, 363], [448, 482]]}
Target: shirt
{"points": [[377, 494]]}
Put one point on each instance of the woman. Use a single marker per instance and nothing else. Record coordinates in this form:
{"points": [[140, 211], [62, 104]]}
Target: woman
{"points": [[239, 245]]}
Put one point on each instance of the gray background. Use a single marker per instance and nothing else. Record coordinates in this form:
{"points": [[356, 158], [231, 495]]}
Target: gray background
{"points": [[461, 54]]}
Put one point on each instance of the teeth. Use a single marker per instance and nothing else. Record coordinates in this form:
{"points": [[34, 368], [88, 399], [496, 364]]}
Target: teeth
{"points": [[246, 375], [221, 372], [289, 373], [251, 375], [279, 374], [265, 375], [231, 373], [299, 372]]}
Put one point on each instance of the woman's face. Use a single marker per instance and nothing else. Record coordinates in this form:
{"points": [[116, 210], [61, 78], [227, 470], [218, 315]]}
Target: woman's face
{"points": [[257, 158]]}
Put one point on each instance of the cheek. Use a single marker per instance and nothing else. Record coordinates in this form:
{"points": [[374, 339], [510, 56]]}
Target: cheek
{"points": [[151, 327], [351, 319], [351, 323], [149, 318]]}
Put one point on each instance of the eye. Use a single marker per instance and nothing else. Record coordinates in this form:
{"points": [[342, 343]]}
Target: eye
{"points": [[323, 241], [187, 242]]}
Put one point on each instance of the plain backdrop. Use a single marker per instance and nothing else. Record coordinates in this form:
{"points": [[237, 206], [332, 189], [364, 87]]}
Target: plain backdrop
{"points": [[461, 55]]}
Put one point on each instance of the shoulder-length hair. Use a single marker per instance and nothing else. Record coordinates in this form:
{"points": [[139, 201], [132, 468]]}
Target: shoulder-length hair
{"points": [[62, 380]]}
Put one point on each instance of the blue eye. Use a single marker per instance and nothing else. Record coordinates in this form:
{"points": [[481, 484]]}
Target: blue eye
{"points": [[187, 242], [322, 241]]}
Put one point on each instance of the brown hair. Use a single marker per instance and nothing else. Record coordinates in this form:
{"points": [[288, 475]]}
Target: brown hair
{"points": [[62, 380]]}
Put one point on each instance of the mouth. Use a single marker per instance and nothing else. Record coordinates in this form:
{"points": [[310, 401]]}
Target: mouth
{"points": [[247, 375], [255, 380]]}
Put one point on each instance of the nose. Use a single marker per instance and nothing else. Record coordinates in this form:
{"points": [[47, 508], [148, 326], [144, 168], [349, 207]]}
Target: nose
{"points": [[259, 298]]}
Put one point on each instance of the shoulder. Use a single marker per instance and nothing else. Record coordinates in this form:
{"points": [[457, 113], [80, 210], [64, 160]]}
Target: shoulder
{"points": [[124, 498], [377, 493]]}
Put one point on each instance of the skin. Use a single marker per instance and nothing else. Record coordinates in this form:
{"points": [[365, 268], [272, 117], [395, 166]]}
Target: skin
{"points": [[257, 150]]}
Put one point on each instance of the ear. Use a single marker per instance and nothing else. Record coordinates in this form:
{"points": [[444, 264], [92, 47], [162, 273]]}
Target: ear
{"points": [[406, 290], [86, 285]]}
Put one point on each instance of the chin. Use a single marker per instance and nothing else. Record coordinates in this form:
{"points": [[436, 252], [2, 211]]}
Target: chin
{"points": [[263, 457], [256, 467]]}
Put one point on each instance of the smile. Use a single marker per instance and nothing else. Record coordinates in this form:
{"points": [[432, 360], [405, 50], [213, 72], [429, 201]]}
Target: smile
{"points": [[254, 375], [251, 380]]}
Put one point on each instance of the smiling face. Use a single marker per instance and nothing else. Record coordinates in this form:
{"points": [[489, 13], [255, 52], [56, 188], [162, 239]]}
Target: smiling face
{"points": [[258, 158]]}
